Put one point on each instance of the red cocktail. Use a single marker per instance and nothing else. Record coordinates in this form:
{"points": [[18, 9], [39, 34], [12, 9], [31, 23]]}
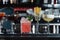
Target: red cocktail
{"points": [[25, 26]]}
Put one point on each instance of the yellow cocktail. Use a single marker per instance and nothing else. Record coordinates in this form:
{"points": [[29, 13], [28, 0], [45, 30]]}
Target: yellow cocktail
{"points": [[37, 11], [48, 18]]}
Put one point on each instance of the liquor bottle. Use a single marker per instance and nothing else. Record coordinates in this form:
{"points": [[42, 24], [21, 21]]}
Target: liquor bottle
{"points": [[0, 1], [49, 1], [13, 1], [38, 2], [5, 1], [26, 1], [23, 1], [55, 1], [45, 1], [32, 1], [52, 1], [58, 1]]}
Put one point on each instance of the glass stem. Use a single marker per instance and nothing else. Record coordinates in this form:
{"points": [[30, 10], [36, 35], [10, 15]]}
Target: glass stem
{"points": [[48, 28], [0, 27], [37, 25]]}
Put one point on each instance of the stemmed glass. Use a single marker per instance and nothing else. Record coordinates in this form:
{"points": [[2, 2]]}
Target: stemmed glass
{"points": [[36, 12], [48, 16], [37, 16]]}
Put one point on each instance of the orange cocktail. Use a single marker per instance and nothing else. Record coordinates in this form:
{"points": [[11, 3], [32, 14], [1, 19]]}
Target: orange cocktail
{"points": [[2, 14], [37, 10]]}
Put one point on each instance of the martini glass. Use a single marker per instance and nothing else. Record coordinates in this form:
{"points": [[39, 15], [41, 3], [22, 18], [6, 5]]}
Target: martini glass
{"points": [[37, 16], [36, 12]]}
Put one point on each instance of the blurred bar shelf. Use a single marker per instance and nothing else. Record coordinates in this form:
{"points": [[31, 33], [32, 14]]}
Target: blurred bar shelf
{"points": [[52, 6], [18, 5]]}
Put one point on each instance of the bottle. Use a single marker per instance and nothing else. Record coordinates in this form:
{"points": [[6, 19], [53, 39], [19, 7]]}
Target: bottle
{"points": [[58, 1], [32, 1], [49, 1], [45, 1], [13, 1], [52, 2], [55, 1], [5, 1], [24, 1], [0, 1]]}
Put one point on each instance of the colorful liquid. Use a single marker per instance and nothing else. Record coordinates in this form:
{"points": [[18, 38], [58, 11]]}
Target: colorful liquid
{"points": [[47, 19], [37, 10], [2, 14], [25, 26]]}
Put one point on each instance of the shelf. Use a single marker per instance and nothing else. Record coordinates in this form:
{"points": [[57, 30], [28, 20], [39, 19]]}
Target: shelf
{"points": [[47, 5], [52, 6], [18, 5]]}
